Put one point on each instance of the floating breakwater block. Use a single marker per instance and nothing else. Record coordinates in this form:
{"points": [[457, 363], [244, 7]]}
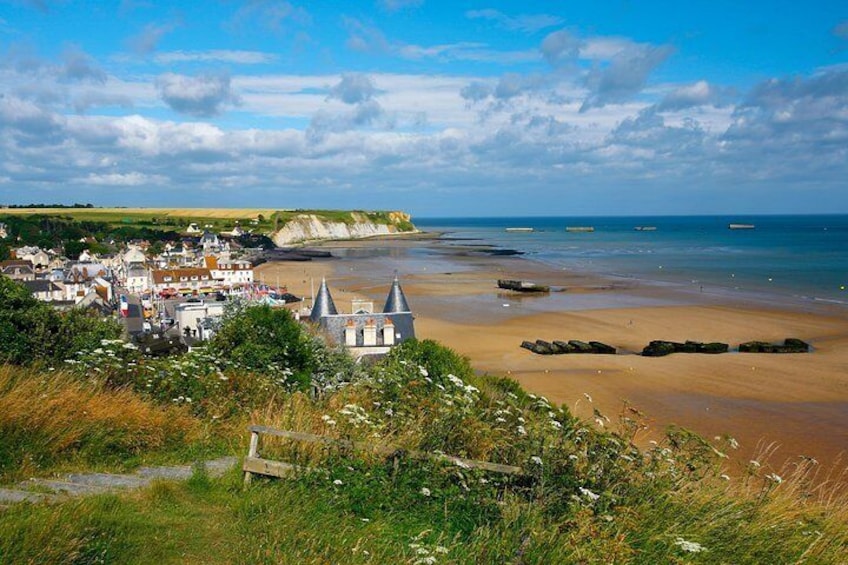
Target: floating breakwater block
{"points": [[659, 348], [790, 345], [795, 345], [713, 348], [562, 347], [602, 348], [580, 346], [544, 347]]}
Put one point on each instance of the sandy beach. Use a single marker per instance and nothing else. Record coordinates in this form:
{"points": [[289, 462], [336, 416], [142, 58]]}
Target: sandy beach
{"points": [[799, 402]]}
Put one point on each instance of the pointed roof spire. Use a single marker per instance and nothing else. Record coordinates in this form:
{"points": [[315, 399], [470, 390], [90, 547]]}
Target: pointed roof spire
{"points": [[396, 301], [323, 305]]}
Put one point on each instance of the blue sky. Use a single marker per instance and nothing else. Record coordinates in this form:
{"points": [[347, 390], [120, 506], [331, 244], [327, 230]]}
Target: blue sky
{"points": [[493, 108]]}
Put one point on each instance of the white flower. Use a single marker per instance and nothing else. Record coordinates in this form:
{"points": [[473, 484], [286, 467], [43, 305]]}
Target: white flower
{"points": [[521, 431], [589, 494], [556, 424], [425, 491], [537, 460], [733, 443], [689, 546], [338, 482], [423, 372], [775, 477]]}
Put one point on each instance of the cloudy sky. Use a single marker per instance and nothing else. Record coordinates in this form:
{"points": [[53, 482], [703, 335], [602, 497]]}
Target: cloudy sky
{"points": [[435, 107]]}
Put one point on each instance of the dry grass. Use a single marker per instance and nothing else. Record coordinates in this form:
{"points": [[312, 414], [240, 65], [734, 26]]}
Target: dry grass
{"points": [[48, 419]]}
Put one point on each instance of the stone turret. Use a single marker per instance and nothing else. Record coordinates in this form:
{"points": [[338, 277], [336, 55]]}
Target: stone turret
{"points": [[396, 301], [324, 305]]}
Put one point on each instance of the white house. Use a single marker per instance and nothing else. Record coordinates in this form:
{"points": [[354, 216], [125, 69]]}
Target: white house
{"points": [[4, 234], [83, 277], [133, 254], [37, 257], [137, 279], [191, 316], [230, 273], [183, 281], [45, 290]]}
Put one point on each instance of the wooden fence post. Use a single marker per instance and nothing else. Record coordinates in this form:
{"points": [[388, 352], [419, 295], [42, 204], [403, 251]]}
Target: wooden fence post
{"points": [[251, 452]]}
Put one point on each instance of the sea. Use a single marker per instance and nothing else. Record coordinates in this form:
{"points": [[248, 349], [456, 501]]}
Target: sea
{"points": [[802, 258]]}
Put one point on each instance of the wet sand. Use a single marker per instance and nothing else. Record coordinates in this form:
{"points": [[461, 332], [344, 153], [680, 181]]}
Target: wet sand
{"points": [[799, 401]]}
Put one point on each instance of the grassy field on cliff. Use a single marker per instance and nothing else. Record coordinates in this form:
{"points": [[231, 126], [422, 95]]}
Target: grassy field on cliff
{"points": [[218, 218], [587, 494]]}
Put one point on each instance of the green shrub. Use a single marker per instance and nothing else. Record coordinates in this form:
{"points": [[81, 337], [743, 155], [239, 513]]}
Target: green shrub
{"points": [[264, 339]]}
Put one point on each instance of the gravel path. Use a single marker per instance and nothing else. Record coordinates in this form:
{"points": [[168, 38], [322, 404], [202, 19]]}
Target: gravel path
{"points": [[81, 484]]}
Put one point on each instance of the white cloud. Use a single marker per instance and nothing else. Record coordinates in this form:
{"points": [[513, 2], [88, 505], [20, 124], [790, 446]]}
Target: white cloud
{"points": [[528, 23], [203, 95], [123, 179], [216, 56]]}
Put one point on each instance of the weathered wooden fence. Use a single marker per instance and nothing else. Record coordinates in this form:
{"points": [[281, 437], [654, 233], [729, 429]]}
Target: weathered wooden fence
{"points": [[256, 465]]}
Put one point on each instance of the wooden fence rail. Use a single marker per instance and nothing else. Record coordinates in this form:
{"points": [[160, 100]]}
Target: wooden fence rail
{"points": [[256, 465]]}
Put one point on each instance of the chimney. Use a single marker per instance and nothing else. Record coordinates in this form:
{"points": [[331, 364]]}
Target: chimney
{"points": [[370, 333], [389, 332], [350, 334]]}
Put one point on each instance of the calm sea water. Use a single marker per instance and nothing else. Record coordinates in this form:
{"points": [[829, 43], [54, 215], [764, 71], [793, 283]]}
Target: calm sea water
{"points": [[801, 256]]}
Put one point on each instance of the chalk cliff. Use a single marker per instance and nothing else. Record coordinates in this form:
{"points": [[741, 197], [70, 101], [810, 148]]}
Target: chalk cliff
{"points": [[357, 225]]}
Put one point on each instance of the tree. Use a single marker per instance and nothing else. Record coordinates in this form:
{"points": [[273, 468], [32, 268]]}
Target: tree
{"points": [[33, 332], [265, 339]]}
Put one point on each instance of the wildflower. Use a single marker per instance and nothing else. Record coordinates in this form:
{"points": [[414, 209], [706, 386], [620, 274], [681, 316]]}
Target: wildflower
{"points": [[441, 549], [423, 371], [556, 424], [521, 431], [589, 494], [428, 560], [689, 546], [338, 482], [733, 443], [775, 477], [425, 491], [573, 457], [537, 460]]}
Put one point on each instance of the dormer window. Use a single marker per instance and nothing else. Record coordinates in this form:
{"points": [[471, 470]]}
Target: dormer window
{"points": [[183, 278], [194, 277], [167, 279]]}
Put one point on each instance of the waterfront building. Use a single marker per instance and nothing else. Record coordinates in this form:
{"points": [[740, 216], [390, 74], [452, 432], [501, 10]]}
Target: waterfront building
{"points": [[364, 331]]}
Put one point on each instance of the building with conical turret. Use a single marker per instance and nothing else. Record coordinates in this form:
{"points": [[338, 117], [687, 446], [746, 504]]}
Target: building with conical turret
{"points": [[364, 331]]}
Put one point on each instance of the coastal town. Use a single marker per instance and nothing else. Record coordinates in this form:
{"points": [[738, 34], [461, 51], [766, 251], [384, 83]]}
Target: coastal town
{"points": [[170, 297]]}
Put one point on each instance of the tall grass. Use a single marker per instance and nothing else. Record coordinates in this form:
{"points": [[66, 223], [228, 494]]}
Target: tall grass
{"points": [[47, 419]]}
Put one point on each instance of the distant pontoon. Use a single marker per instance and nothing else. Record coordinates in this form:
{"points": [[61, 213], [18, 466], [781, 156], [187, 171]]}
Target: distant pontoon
{"points": [[741, 226], [520, 229]]}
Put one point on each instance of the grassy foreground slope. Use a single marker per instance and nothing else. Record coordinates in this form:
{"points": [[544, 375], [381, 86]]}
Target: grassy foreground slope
{"points": [[587, 495]]}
